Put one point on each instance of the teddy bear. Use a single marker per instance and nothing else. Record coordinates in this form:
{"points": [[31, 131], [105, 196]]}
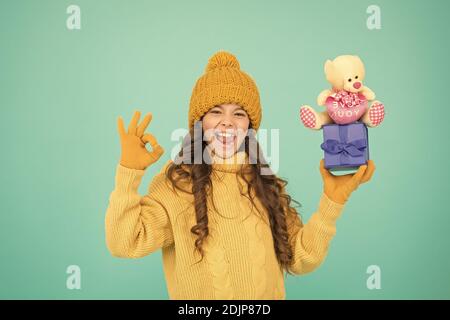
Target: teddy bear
{"points": [[348, 99]]}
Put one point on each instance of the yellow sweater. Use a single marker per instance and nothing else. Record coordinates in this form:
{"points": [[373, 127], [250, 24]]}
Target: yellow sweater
{"points": [[240, 260]]}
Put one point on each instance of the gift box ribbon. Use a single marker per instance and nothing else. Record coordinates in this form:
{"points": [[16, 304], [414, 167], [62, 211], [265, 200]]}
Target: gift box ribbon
{"points": [[346, 149]]}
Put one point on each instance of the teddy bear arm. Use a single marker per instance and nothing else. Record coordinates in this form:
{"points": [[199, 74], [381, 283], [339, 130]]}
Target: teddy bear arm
{"points": [[323, 97], [368, 93]]}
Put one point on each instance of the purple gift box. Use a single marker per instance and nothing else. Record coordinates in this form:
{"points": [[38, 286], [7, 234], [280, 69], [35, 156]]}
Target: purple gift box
{"points": [[345, 146]]}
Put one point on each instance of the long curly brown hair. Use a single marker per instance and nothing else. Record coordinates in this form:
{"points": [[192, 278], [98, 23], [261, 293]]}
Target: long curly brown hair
{"points": [[268, 188]]}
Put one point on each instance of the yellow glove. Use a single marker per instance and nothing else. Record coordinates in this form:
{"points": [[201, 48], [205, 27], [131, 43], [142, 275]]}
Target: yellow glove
{"points": [[339, 188], [134, 153]]}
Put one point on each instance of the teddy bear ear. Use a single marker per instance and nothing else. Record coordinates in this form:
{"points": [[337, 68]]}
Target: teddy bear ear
{"points": [[361, 65], [328, 67], [358, 60]]}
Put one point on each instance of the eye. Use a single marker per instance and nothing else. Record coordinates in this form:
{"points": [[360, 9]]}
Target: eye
{"points": [[356, 77], [240, 114], [215, 111], [349, 80]]}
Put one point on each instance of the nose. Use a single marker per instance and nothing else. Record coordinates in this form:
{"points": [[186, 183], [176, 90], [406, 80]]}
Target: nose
{"points": [[357, 85], [226, 125], [226, 122]]}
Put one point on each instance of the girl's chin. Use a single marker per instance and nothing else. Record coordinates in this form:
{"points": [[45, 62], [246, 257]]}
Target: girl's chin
{"points": [[223, 151]]}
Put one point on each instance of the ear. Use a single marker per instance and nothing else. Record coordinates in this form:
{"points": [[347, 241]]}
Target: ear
{"points": [[330, 72], [360, 66], [328, 68]]}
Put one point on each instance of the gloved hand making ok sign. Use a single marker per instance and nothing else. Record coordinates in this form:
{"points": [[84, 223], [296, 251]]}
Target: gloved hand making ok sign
{"points": [[134, 153]]}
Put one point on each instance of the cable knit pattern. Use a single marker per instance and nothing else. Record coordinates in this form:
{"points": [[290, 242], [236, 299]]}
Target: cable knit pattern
{"points": [[219, 268], [240, 260], [257, 252]]}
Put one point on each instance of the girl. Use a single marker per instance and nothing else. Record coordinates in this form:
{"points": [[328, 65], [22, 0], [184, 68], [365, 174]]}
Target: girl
{"points": [[224, 222]]}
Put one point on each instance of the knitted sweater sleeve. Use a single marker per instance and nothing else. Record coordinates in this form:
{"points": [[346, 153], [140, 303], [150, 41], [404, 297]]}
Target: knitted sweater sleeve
{"points": [[310, 241], [136, 225]]}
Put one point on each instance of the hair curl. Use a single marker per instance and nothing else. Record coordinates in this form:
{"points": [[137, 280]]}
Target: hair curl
{"points": [[269, 189]]}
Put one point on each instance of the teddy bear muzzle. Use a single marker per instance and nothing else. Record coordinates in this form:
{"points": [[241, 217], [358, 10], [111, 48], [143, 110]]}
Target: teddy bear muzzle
{"points": [[357, 85]]}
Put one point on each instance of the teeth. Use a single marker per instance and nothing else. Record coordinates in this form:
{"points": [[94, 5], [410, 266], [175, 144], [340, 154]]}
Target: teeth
{"points": [[226, 135], [226, 138]]}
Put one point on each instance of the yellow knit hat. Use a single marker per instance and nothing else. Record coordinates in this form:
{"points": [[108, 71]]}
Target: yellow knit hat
{"points": [[224, 82]]}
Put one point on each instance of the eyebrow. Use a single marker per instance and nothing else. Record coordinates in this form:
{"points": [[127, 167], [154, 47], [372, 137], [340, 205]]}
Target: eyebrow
{"points": [[237, 109]]}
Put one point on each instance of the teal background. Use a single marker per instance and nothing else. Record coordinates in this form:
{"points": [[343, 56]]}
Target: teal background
{"points": [[61, 92]]}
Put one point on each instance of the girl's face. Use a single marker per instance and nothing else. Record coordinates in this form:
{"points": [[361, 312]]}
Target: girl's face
{"points": [[225, 127]]}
